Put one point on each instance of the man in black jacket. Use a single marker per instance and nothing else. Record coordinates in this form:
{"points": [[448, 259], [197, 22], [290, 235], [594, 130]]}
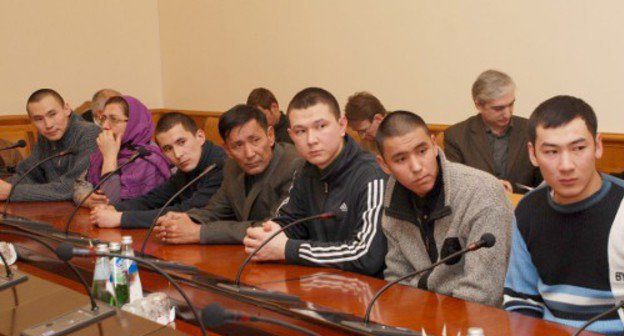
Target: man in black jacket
{"points": [[338, 177], [187, 148]]}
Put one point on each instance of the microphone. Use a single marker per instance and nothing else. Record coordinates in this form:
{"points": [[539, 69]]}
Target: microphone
{"points": [[8, 199], [168, 264], [487, 240], [141, 152], [162, 209], [18, 144], [272, 295], [10, 279], [66, 251], [74, 320], [214, 316], [598, 317]]}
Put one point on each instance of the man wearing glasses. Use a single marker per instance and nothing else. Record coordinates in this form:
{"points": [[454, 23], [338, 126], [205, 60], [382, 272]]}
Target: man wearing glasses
{"points": [[364, 113], [494, 140], [59, 130]]}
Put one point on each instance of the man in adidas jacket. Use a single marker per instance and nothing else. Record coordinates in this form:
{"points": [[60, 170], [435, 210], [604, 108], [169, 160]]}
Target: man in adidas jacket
{"points": [[338, 177]]}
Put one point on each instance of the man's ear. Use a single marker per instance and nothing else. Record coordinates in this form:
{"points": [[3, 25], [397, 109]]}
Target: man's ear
{"points": [[599, 146], [532, 156], [67, 109], [382, 164], [343, 125], [271, 135], [200, 135]]}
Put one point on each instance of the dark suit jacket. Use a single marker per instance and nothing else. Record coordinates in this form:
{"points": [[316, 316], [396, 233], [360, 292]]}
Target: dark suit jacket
{"points": [[229, 213], [467, 143]]}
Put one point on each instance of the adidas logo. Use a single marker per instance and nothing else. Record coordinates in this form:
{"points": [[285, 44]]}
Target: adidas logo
{"points": [[343, 207]]}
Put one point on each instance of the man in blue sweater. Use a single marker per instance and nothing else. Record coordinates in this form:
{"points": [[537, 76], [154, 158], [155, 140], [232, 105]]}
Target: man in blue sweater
{"points": [[567, 256], [338, 177], [186, 147]]}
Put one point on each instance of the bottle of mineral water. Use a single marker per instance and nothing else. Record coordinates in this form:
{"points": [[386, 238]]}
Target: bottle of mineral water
{"points": [[102, 286], [132, 270], [118, 275]]}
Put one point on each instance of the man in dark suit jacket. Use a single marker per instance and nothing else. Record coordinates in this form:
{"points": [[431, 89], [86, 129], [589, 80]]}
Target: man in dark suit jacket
{"points": [[256, 180], [494, 141]]}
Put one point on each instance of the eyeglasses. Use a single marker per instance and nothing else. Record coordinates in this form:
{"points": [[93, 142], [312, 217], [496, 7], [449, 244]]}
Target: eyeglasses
{"points": [[112, 120]]}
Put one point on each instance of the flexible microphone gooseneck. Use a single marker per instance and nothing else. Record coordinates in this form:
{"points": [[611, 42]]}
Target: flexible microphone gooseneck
{"points": [[214, 316], [322, 216], [94, 306], [598, 317], [8, 199], [66, 251], [18, 144], [162, 209], [141, 152], [268, 294], [487, 240]]}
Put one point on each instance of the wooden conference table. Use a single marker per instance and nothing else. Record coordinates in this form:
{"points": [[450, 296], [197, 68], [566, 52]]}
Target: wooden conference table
{"points": [[328, 295]]}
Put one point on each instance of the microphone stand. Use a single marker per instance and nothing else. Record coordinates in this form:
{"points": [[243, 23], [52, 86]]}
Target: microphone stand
{"points": [[8, 199], [71, 321], [271, 295], [487, 240]]}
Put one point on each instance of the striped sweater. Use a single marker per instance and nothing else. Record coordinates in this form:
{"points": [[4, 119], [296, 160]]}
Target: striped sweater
{"points": [[567, 261], [351, 186]]}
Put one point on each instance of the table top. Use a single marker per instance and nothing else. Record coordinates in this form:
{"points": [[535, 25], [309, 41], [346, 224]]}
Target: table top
{"points": [[328, 295]]}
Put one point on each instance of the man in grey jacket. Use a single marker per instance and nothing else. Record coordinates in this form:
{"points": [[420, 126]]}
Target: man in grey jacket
{"points": [[59, 130], [433, 208], [256, 179]]}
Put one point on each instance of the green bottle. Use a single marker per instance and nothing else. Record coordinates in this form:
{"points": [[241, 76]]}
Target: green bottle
{"points": [[119, 276], [102, 287]]}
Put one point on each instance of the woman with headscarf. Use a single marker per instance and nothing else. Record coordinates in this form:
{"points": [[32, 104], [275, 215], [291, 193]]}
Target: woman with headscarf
{"points": [[126, 126]]}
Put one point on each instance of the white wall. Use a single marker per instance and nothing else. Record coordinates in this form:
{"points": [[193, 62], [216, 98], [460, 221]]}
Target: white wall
{"points": [[417, 55], [77, 47]]}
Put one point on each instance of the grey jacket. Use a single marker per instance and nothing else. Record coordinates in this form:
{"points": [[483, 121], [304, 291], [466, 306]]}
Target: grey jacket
{"points": [[474, 203], [229, 212], [54, 180], [467, 143]]}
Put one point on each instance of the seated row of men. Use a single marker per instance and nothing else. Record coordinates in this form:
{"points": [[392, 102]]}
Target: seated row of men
{"points": [[558, 258]]}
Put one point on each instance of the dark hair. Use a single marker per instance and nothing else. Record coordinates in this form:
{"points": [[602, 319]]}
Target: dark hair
{"points": [[239, 115], [398, 123], [560, 110], [261, 97], [312, 96], [38, 95], [121, 101], [171, 119], [363, 106]]}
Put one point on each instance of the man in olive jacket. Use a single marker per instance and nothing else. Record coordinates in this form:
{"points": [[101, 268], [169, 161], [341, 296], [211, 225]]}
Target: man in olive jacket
{"points": [[256, 179]]}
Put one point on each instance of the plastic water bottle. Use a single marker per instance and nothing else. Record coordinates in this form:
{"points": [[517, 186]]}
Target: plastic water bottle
{"points": [[102, 286], [132, 270], [119, 279]]}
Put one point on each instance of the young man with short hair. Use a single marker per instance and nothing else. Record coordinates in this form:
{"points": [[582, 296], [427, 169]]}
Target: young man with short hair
{"points": [[567, 255], [186, 147], [256, 179], [494, 140], [59, 130], [338, 177], [433, 208], [265, 101]]}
